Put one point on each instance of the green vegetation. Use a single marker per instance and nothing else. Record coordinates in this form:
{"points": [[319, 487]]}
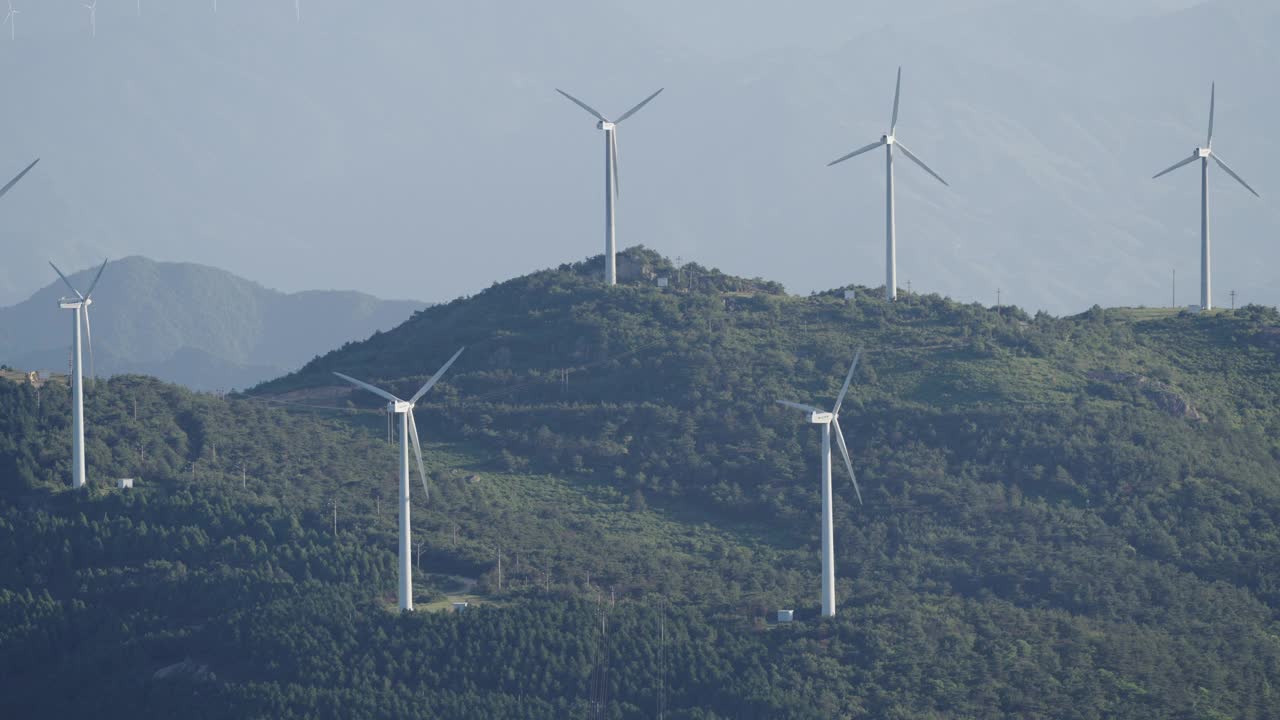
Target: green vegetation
{"points": [[1065, 518]]}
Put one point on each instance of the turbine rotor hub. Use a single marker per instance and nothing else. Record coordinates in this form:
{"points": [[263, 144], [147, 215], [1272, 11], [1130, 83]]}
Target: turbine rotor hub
{"points": [[399, 406], [888, 139]]}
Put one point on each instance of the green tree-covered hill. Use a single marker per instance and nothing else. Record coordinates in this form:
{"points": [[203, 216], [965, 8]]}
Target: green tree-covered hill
{"points": [[1064, 517]]}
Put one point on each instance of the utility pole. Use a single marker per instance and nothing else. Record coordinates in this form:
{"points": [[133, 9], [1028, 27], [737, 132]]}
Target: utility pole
{"points": [[193, 471], [1233, 299], [334, 502], [417, 546], [908, 287], [1173, 291], [499, 569], [997, 298], [244, 476], [455, 535]]}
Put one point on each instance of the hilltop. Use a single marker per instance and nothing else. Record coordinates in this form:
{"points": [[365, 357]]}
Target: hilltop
{"points": [[1064, 517], [191, 324]]}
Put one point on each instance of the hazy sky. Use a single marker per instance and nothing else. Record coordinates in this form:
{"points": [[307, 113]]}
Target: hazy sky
{"points": [[418, 149]]}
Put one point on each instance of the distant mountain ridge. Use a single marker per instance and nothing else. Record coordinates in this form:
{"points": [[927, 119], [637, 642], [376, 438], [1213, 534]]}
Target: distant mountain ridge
{"points": [[192, 324]]}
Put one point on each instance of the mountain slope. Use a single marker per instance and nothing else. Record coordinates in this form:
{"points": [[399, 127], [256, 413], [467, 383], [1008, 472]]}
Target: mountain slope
{"points": [[1064, 517], [191, 324]]}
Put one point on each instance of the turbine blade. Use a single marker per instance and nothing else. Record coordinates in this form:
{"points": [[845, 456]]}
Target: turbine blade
{"points": [[376, 391], [856, 153], [435, 378], [1213, 91], [65, 280], [417, 452], [14, 181], [636, 109], [1233, 174], [897, 93], [847, 379], [1175, 166], [800, 406], [920, 162], [613, 151], [844, 450], [583, 105], [88, 332], [96, 278]]}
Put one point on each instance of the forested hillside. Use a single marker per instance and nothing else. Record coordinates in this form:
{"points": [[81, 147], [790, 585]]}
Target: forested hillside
{"points": [[1065, 518]]}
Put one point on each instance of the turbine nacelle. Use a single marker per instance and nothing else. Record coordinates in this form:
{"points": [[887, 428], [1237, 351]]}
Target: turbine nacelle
{"points": [[888, 139], [606, 125], [1202, 152], [399, 406], [73, 303], [821, 418]]}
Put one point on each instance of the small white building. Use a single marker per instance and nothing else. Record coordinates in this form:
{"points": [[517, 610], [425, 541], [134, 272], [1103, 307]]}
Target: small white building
{"points": [[850, 294], [124, 483], [460, 606], [663, 282], [786, 616]]}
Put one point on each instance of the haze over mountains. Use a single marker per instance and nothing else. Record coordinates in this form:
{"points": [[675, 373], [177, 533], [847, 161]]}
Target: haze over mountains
{"points": [[191, 324], [409, 144]]}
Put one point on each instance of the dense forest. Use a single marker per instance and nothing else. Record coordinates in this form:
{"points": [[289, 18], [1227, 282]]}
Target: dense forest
{"points": [[1064, 517]]}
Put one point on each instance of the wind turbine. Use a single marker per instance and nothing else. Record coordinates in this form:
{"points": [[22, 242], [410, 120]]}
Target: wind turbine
{"points": [[14, 181], [297, 9], [828, 420], [1204, 154], [80, 304], [889, 141], [12, 19], [408, 435], [92, 6], [610, 128]]}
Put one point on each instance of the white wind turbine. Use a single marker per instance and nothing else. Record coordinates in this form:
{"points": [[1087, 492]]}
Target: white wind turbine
{"points": [[889, 141], [408, 436], [828, 420], [12, 19], [14, 181], [1204, 154], [610, 128], [297, 10], [80, 304], [92, 6]]}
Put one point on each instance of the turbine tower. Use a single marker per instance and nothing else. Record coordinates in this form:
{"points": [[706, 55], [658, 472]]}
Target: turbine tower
{"points": [[9, 185], [610, 128], [408, 436], [889, 141], [92, 7], [80, 304], [828, 420], [12, 20], [1204, 154]]}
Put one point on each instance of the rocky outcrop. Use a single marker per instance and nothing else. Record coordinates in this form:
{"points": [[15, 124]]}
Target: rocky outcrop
{"points": [[1162, 394]]}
